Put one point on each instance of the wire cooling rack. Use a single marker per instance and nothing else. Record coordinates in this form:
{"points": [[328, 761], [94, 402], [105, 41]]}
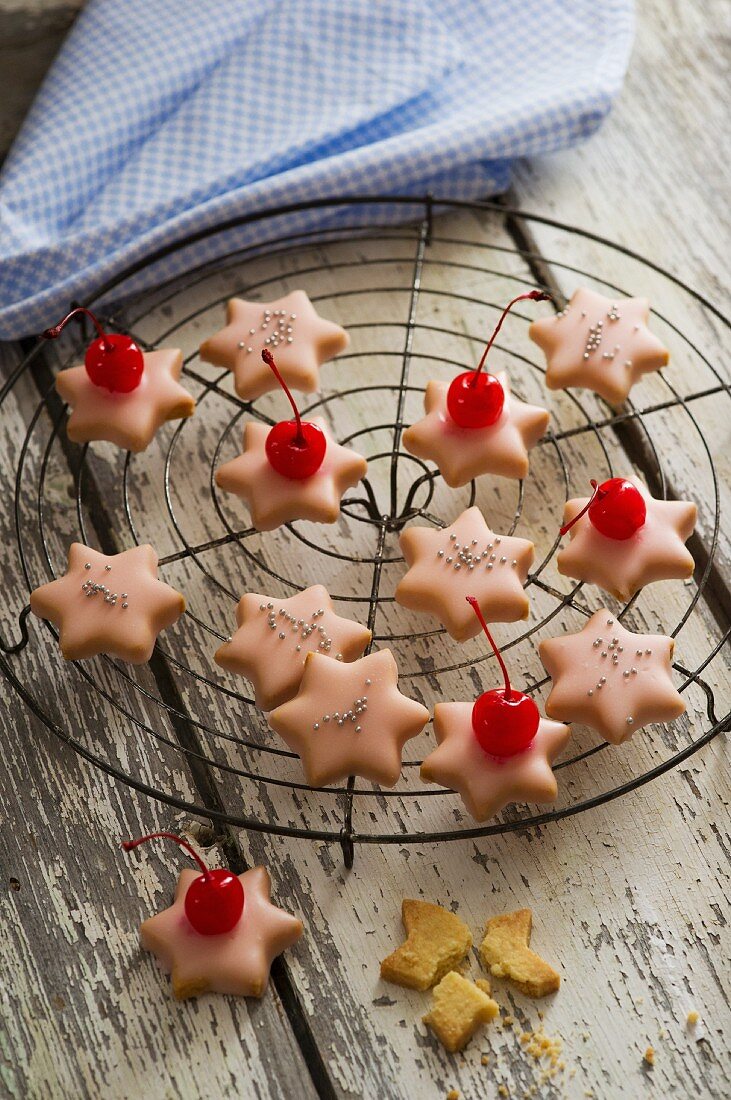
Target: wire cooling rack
{"points": [[418, 295]]}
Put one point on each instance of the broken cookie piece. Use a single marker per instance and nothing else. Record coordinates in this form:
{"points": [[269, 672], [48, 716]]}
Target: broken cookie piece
{"points": [[506, 954], [436, 942], [458, 1009]]}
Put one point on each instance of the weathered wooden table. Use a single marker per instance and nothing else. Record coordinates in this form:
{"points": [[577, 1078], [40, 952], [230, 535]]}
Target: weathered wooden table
{"points": [[629, 899]]}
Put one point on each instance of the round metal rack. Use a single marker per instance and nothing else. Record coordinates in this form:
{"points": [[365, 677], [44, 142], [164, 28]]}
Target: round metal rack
{"points": [[172, 719]]}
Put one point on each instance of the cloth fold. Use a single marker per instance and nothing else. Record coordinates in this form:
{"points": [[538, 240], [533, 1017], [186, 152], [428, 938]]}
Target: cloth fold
{"points": [[161, 118]]}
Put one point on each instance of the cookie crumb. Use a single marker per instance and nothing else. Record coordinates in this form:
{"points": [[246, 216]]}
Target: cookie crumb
{"points": [[505, 954], [459, 1008], [485, 1059], [649, 1056], [692, 1018], [436, 943], [453, 1094], [503, 1090]]}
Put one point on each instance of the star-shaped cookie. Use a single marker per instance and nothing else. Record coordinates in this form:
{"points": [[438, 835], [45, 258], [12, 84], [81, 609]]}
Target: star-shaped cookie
{"points": [[656, 551], [110, 604], [274, 637], [128, 419], [235, 962], [349, 719], [465, 558], [464, 453], [274, 499], [602, 344], [611, 679], [302, 339], [487, 783]]}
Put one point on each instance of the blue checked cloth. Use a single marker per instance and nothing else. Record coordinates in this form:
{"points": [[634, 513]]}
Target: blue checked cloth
{"points": [[163, 118]]}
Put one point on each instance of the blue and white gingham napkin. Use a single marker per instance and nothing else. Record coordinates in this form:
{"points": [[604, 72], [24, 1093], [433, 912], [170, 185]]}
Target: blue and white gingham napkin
{"points": [[161, 118]]}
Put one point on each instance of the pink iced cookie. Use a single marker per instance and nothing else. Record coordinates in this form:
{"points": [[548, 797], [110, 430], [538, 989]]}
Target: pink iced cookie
{"points": [[464, 453], [235, 962], [655, 552], [611, 679], [487, 783], [274, 637], [274, 499], [128, 419], [349, 719], [602, 344], [303, 341], [108, 604], [466, 558]]}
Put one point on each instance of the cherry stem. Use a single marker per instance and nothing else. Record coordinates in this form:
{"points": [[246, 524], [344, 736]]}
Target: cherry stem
{"points": [[268, 358], [533, 295], [596, 495], [128, 845], [52, 333], [476, 608]]}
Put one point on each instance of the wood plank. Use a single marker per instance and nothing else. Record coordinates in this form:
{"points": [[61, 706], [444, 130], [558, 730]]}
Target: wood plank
{"points": [[86, 1012]]}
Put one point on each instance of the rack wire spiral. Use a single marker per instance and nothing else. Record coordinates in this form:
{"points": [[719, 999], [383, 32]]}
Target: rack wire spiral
{"points": [[166, 706]]}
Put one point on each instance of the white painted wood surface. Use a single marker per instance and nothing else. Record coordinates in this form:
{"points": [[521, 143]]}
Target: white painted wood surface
{"points": [[630, 900]]}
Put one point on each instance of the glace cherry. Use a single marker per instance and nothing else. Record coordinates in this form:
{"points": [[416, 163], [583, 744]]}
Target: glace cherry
{"points": [[505, 721], [616, 508], [113, 360], [475, 399], [295, 448], [215, 899]]}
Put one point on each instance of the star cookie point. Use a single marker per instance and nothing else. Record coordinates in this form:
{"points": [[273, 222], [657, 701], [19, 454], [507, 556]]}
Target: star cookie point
{"points": [[349, 719], [601, 344], [290, 325]]}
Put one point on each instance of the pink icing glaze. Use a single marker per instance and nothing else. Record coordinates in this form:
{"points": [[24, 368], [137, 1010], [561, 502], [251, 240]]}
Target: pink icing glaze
{"points": [[275, 664], [313, 341], [464, 453], [273, 499], [369, 744], [488, 783], [235, 962], [610, 678], [613, 335], [432, 584], [622, 566], [129, 420], [89, 625]]}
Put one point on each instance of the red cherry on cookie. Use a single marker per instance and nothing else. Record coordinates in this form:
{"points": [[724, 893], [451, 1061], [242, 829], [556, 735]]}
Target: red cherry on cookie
{"points": [[214, 901], [504, 721], [616, 508], [113, 360], [475, 399], [295, 448]]}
